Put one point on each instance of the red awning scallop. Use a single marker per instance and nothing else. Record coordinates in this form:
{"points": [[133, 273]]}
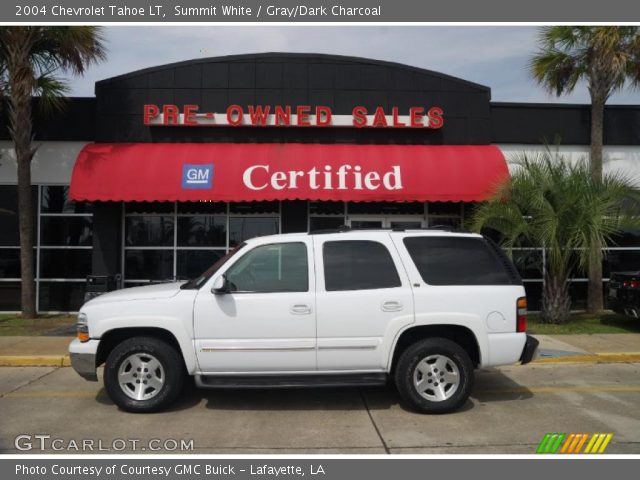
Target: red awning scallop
{"points": [[290, 171]]}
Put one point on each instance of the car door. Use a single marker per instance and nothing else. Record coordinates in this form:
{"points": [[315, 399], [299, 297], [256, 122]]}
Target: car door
{"points": [[267, 321], [363, 296]]}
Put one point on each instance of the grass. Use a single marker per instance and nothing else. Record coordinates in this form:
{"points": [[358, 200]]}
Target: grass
{"points": [[585, 323], [13, 324]]}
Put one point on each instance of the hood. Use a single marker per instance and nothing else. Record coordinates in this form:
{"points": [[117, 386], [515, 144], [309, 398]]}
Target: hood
{"points": [[160, 290]]}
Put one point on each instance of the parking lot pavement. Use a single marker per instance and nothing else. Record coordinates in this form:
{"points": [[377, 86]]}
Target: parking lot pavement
{"points": [[509, 412]]}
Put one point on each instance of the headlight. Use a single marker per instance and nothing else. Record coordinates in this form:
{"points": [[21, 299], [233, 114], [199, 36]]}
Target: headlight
{"points": [[82, 327]]}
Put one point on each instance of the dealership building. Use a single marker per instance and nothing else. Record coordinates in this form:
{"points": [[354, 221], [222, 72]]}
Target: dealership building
{"points": [[167, 168]]}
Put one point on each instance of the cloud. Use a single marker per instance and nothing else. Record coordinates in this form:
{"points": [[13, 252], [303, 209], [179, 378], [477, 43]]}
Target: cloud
{"points": [[494, 56]]}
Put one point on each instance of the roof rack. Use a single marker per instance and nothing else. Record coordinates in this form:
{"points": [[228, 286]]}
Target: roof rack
{"points": [[324, 231], [346, 228]]}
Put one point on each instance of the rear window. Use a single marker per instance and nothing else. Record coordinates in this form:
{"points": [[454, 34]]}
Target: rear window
{"points": [[458, 261], [358, 265]]}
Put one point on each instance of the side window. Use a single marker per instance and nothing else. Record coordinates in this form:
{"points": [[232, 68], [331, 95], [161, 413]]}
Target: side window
{"points": [[456, 261], [278, 267], [358, 265]]}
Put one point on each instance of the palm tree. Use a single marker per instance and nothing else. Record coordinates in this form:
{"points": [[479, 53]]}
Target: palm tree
{"points": [[30, 59], [606, 58], [554, 204]]}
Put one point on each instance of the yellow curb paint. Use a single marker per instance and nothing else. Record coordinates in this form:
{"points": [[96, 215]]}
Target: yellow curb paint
{"points": [[34, 361]]}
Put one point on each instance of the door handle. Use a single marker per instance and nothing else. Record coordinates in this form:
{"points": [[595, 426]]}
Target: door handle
{"points": [[300, 309], [392, 306]]}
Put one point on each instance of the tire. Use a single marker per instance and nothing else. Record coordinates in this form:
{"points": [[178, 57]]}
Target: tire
{"points": [[164, 374], [423, 386]]}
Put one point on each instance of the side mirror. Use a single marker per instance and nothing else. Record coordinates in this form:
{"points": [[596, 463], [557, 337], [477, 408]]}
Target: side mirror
{"points": [[220, 285]]}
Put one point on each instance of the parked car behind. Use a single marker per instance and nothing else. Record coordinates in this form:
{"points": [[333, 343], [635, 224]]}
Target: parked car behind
{"points": [[624, 293]]}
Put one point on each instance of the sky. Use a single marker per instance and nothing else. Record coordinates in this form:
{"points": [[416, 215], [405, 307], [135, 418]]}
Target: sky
{"points": [[495, 56]]}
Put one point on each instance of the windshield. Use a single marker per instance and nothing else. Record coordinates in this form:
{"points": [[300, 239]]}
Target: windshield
{"points": [[197, 282]]}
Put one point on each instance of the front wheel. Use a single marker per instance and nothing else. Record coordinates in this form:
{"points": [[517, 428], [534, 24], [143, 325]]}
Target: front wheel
{"points": [[143, 374], [434, 376]]}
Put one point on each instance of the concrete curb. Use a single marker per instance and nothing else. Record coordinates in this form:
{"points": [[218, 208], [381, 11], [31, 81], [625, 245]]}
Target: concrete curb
{"points": [[35, 361], [63, 360]]}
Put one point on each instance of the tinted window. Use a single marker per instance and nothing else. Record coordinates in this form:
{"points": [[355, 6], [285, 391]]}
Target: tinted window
{"points": [[241, 229], [71, 231], [149, 231], [65, 263], [358, 265], [280, 267], [456, 261], [202, 231], [192, 263], [55, 199], [149, 264]]}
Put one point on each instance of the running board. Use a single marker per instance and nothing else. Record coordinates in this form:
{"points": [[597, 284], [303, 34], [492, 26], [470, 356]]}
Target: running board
{"points": [[291, 381]]}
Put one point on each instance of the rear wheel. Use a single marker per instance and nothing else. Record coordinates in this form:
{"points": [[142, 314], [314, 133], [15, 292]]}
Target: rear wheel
{"points": [[434, 375], [143, 374]]}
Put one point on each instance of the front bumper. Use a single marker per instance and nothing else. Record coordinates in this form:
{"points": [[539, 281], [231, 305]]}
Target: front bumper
{"points": [[530, 350], [83, 358]]}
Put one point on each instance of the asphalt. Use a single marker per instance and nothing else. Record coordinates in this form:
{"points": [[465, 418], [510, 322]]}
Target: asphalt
{"points": [[584, 348], [510, 411]]}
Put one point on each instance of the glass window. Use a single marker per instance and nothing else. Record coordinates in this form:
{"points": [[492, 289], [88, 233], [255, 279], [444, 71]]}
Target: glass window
{"points": [[445, 208], [10, 296], [72, 231], [255, 207], [149, 231], [61, 296], [65, 263], [325, 223], [149, 207], [244, 228], [326, 208], [279, 267], [9, 234], [456, 261], [385, 208], [202, 207], [149, 264], [358, 265], [202, 231], [578, 294], [534, 295], [528, 263], [621, 261], [448, 222], [192, 263], [626, 239], [55, 199], [10, 263]]}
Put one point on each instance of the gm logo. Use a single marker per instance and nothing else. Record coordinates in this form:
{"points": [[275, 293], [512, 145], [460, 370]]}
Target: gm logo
{"points": [[197, 176]]}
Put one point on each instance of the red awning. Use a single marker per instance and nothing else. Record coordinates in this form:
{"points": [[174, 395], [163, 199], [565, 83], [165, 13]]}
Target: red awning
{"points": [[290, 171]]}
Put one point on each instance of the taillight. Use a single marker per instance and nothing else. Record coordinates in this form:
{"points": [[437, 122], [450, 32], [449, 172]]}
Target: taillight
{"points": [[521, 314], [631, 284]]}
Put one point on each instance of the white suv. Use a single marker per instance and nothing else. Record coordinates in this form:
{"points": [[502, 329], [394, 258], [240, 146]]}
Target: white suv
{"points": [[423, 308]]}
